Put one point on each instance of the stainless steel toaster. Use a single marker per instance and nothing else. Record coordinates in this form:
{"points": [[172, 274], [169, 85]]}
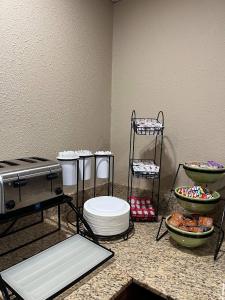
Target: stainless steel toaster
{"points": [[27, 181]]}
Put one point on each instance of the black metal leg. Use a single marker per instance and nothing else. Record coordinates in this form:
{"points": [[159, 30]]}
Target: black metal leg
{"points": [[50, 203], [42, 216], [79, 216], [109, 174], [112, 172], [159, 179], [156, 139], [219, 243], [220, 237], [6, 233], [153, 181], [78, 225], [77, 198], [158, 236], [95, 176], [175, 178], [3, 289], [157, 200], [28, 243], [131, 187], [83, 181], [153, 187], [37, 239], [131, 157], [131, 164]]}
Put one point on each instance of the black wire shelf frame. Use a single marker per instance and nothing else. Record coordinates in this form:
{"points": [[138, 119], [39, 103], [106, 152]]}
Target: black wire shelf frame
{"points": [[157, 133], [148, 174], [141, 129], [123, 235]]}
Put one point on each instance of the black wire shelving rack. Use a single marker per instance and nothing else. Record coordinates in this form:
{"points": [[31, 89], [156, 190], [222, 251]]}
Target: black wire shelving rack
{"points": [[141, 126]]}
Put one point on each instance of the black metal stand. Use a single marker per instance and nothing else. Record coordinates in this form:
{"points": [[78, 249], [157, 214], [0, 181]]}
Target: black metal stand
{"points": [[110, 183], [124, 235], [157, 133], [82, 161], [110, 179], [218, 228], [14, 215], [220, 237]]}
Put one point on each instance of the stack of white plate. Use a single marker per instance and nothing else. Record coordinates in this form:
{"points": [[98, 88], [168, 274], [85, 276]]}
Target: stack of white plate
{"points": [[107, 215]]}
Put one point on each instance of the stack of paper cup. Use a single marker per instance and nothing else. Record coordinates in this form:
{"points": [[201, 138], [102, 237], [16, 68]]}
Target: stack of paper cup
{"points": [[102, 164], [68, 161], [84, 164]]}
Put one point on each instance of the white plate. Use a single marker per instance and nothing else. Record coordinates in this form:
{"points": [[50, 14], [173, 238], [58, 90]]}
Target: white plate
{"points": [[106, 206], [107, 215]]}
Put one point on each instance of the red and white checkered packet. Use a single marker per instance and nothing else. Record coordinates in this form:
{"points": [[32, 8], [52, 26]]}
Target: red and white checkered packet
{"points": [[142, 209]]}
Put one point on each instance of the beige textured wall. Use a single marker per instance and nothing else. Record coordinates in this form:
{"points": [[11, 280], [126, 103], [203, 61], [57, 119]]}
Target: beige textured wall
{"points": [[170, 56], [55, 76]]}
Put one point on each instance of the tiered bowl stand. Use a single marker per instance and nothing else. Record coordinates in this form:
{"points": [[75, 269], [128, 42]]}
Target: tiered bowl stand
{"points": [[201, 177]]}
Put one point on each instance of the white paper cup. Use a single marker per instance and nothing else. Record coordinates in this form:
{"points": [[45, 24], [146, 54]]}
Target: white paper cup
{"points": [[102, 167], [69, 168], [85, 168]]}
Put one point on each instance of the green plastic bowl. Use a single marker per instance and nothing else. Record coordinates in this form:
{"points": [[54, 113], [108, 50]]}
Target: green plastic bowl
{"points": [[188, 239], [201, 206], [200, 175]]}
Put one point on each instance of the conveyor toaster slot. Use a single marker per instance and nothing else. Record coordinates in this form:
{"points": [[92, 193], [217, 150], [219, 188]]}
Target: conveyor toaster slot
{"points": [[27, 160], [9, 163], [39, 158]]}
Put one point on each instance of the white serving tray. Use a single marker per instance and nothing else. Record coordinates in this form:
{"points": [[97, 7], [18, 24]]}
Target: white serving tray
{"points": [[47, 273]]}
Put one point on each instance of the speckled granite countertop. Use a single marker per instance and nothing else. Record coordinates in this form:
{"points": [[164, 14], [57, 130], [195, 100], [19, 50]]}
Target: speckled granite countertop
{"points": [[162, 267]]}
